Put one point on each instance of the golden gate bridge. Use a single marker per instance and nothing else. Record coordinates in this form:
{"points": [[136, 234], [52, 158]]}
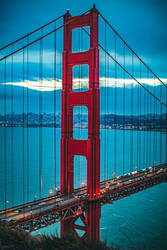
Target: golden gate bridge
{"points": [[107, 91]]}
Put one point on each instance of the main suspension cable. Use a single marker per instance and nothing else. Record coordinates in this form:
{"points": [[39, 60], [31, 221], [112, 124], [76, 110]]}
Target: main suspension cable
{"points": [[131, 49], [28, 35], [160, 101]]}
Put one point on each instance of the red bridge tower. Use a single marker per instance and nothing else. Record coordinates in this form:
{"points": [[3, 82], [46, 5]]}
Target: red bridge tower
{"points": [[70, 146]]}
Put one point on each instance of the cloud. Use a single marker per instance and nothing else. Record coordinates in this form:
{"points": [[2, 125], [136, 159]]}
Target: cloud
{"points": [[51, 84], [44, 85], [120, 82]]}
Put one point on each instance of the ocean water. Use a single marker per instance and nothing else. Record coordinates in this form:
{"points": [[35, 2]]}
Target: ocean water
{"points": [[137, 220]]}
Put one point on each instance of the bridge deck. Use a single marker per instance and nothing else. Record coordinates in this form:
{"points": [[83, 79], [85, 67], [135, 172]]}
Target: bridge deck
{"points": [[41, 213]]}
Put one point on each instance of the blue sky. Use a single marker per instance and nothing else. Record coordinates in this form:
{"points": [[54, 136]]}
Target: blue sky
{"points": [[141, 23]]}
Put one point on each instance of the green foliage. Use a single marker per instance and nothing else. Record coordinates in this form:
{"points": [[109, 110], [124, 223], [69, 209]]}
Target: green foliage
{"points": [[16, 239]]}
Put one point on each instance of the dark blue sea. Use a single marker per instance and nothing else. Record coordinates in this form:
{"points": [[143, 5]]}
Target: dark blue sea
{"points": [[136, 221]]}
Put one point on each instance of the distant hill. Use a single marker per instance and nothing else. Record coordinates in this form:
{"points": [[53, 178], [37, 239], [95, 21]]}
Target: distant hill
{"points": [[149, 122]]}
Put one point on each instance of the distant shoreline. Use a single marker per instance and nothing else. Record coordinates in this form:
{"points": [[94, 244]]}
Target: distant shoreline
{"points": [[148, 122], [79, 127]]}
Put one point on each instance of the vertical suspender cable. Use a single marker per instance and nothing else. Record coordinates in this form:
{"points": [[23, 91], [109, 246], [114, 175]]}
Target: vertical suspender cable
{"points": [[131, 134], [150, 161], [146, 123], [156, 131], [147, 132], [137, 127], [124, 117], [27, 121], [107, 116], [55, 61], [115, 119], [5, 133], [12, 137], [40, 116], [79, 111], [160, 125], [140, 157], [60, 70], [105, 141], [23, 133], [154, 124], [144, 116], [81, 46]]}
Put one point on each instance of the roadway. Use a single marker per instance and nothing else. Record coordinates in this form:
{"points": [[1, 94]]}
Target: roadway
{"points": [[59, 202]]}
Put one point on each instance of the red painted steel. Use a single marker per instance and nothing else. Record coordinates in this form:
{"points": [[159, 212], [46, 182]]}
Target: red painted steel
{"points": [[69, 146], [93, 221], [90, 223]]}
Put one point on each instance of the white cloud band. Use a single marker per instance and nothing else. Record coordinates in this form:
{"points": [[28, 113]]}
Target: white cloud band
{"points": [[51, 84]]}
